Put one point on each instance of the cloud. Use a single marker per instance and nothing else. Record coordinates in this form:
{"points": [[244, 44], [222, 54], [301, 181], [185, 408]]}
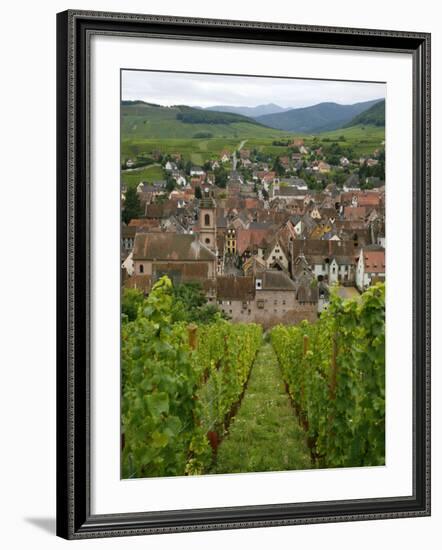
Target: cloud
{"points": [[204, 90]]}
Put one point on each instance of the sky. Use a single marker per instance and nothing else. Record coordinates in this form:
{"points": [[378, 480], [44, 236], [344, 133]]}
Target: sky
{"points": [[205, 90]]}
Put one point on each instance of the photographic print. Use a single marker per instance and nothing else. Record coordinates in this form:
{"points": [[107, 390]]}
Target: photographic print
{"points": [[252, 274]]}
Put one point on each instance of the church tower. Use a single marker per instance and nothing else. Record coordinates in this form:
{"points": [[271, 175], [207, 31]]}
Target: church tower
{"points": [[207, 222]]}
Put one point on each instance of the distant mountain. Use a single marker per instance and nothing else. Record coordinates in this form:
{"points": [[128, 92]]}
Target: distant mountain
{"points": [[141, 120], [374, 116], [322, 117], [252, 112]]}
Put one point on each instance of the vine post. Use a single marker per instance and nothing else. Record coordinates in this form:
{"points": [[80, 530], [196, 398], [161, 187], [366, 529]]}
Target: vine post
{"points": [[192, 332]]}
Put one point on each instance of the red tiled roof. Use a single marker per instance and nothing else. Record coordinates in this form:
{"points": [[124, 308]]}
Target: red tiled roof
{"points": [[374, 261], [250, 237], [354, 212]]}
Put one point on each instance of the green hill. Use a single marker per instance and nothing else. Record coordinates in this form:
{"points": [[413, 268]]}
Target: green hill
{"points": [[374, 116], [316, 118], [140, 120]]}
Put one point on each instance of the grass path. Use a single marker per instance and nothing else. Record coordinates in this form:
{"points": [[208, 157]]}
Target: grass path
{"points": [[265, 434]]}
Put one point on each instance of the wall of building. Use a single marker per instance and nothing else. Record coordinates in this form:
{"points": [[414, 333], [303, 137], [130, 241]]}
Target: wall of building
{"points": [[269, 308], [188, 269]]}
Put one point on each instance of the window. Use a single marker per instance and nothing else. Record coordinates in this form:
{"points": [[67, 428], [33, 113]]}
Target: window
{"points": [[141, 268], [206, 219], [207, 240], [260, 304]]}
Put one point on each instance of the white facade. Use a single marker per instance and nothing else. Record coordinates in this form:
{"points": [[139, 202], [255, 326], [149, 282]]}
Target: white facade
{"points": [[277, 255]]}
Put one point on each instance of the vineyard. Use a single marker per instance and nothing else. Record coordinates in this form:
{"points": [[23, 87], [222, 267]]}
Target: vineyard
{"points": [[181, 385], [315, 400], [334, 370]]}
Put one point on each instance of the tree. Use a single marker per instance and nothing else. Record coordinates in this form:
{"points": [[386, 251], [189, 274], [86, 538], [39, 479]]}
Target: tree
{"points": [[132, 207], [170, 184], [190, 305], [221, 177], [278, 168], [198, 193]]}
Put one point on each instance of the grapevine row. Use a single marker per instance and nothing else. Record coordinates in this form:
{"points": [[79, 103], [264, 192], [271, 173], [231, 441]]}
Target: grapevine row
{"points": [[179, 385], [334, 370]]}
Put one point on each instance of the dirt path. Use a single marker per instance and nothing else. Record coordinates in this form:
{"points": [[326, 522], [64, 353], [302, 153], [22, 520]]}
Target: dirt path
{"points": [[265, 434]]}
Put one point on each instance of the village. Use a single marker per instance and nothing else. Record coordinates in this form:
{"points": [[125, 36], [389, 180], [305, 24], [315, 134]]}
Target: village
{"points": [[266, 236]]}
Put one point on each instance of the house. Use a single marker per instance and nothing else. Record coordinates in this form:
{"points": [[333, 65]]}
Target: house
{"points": [[370, 267], [170, 166], [254, 265], [276, 300], [128, 237], [343, 161], [355, 213], [268, 298], [286, 192], [299, 183], [197, 171], [297, 142], [323, 167], [180, 180], [225, 156], [180, 256], [276, 257], [372, 162], [330, 260], [128, 264], [148, 193]]}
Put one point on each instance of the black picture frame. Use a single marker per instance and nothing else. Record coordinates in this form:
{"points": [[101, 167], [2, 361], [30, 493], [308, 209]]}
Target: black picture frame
{"points": [[74, 518]]}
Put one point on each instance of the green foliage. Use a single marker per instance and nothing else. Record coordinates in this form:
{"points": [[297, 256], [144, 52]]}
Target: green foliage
{"points": [[131, 301], [335, 371], [189, 115], [224, 356], [174, 390], [277, 167], [375, 116], [132, 207], [190, 305], [159, 382], [202, 135], [198, 192], [148, 174], [221, 177]]}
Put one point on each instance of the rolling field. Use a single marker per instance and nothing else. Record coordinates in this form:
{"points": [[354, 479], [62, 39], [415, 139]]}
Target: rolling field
{"points": [[148, 174], [362, 139], [147, 128], [206, 148]]}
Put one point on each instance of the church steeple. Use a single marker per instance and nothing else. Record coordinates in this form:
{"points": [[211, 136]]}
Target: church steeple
{"points": [[207, 222]]}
